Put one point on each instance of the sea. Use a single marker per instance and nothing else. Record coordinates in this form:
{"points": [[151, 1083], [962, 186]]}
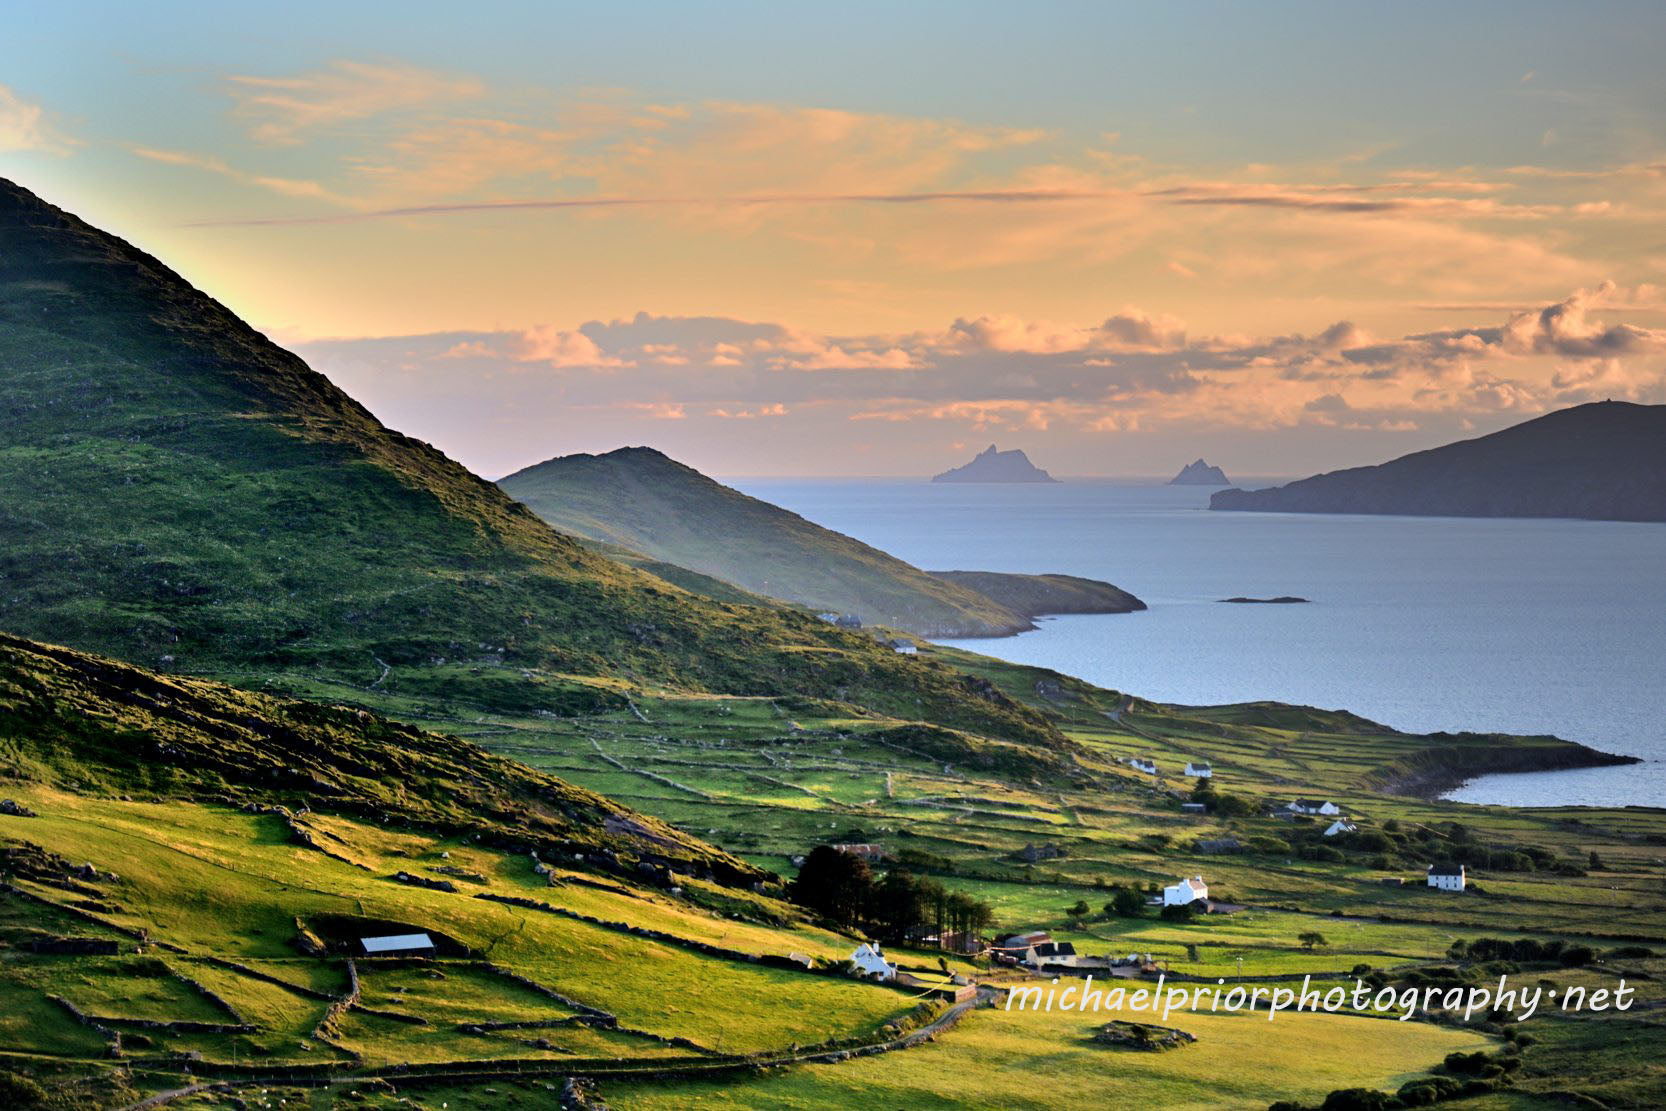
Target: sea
{"points": [[1422, 623]]}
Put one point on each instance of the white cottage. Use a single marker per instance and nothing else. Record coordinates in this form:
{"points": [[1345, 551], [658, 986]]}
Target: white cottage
{"points": [[1185, 892], [1340, 826], [1318, 807], [1447, 877], [1143, 764], [1199, 769], [871, 962]]}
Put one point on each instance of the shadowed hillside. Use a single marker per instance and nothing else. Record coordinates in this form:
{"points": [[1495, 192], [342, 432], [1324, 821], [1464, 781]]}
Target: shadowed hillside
{"points": [[642, 501], [108, 728], [178, 491]]}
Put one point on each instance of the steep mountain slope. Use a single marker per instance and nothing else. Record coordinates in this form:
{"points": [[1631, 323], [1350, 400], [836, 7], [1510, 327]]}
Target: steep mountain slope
{"points": [[69, 718], [1604, 461], [643, 501], [178, 491]]}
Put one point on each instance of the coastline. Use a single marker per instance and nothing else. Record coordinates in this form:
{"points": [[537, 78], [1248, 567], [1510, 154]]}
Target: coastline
{"points": [[1436, 772]]}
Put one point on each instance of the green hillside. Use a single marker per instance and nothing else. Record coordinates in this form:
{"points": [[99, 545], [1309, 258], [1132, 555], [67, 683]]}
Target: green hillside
{"points": [[71, 718], [178, 491], [184, 869], [641, 500]]}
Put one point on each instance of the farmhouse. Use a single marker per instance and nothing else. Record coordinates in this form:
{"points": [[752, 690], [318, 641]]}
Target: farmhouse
{"points": [[1340, 826], [1199, 769], [1447, 877], [397, 945], [1321, 807], [1020, 948], [1185, 892], [869, 961], [905, 647], [1143, 764], [1053, 952]]}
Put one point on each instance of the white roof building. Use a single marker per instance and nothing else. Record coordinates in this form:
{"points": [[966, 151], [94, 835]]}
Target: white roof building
{"points": [[393, 945], [1340, 826], [1185, 892], [1447, 877], [871, 962]]}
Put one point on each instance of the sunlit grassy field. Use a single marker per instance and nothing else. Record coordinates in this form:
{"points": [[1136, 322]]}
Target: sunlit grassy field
{"points": [[1000, 1060]]}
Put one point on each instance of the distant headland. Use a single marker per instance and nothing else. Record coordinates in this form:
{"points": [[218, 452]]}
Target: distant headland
{"points": [[1605, 461]]}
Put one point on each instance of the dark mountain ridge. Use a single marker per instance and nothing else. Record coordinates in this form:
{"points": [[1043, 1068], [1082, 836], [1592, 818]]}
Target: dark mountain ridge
{"points": [[1602, 461]]}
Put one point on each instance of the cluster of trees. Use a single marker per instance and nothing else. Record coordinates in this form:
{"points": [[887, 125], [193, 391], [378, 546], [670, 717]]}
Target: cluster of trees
{"points": [[898, 906], [1524, 950], [1223, 804]]}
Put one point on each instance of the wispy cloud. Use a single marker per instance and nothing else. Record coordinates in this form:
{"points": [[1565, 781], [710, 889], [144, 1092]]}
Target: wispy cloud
{"points": [[25, 126], [289, 187], [979, 196], [281, 110], [1133, 370]]}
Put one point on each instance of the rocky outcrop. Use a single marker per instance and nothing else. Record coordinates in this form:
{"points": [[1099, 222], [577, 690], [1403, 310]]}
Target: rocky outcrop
{"points": [[1142, 1036]]}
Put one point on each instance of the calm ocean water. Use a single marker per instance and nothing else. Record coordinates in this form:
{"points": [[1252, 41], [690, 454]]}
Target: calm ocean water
{"points": [[1422, 623]]}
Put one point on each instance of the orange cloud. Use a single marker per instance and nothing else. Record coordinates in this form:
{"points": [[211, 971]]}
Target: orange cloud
{"points": [[279, 110]]}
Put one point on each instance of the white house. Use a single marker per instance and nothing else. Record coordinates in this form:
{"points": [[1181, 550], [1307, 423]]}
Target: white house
{"points": [[830, 618], [1340, 826], [1053, 952], [1199, 769], [1321, 807], [871, 962], [1447, 877], [1143, 764], [1185, 892], [905, 647]]}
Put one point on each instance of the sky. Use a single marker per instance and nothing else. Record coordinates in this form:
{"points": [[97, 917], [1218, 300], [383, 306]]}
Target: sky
{"points": [[792, 239]]}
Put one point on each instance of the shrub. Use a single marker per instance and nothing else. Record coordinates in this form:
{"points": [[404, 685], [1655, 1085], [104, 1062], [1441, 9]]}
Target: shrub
{"points": [[20, 1092], [1357, 1099]]}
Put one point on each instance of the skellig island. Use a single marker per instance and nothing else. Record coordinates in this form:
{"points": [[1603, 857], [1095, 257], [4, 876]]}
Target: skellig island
{"points": [[1199, 473], [990, 465]]}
